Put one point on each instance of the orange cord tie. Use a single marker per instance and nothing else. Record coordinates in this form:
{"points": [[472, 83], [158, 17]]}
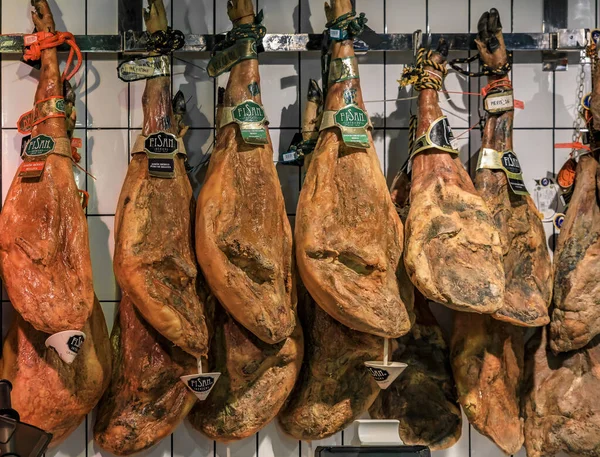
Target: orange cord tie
{"points": [[85, 198], [503, 84], [39, 41], [76, 143]]}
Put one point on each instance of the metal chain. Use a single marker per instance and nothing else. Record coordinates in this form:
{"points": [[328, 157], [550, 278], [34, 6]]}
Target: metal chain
{"points": [[579, 97]]}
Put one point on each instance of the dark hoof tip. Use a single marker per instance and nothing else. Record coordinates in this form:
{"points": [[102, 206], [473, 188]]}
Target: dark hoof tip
{"points": [[443, 48]]}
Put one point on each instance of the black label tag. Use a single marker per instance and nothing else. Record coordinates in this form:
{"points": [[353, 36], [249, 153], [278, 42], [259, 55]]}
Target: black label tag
{"points": [[511, 163], [201, 384], [75, 342], [379, 374], [161, 165], [441, 134], [161, 143]]}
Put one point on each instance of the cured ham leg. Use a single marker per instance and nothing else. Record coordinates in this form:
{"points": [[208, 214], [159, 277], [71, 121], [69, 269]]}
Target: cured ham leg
{"points": [[334, 387], [243, 236], [424, 397], [527, 265], [44, 247], [348, 235], [256, 380], [453, 252], [146, 400], [562, 412], [48, 392], [576, 312], [154, 259], [487, 361], [256, 377]]}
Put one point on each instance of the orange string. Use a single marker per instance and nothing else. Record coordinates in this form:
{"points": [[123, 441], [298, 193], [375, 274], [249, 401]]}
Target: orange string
{"points": [[37, 42], [467, 131]]}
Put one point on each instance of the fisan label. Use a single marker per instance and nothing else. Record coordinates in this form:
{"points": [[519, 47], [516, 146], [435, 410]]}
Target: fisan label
{"points": [[351, 116], [39, 145], [161, 143], [379, 374], [201, 383], [249, 112], [75, 342]]}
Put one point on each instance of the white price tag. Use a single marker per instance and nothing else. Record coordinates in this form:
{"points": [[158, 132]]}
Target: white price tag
{"points": [[545, 196]]}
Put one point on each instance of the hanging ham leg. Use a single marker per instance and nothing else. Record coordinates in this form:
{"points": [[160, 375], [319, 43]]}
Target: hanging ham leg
{"points": [[47, 392], [154, 257], [562, 412], [243, 236], [334, 387], [487, 361], [256, 380], [146, 400], [348, 235], [453, 253], [44, 247], [527, 265], [576, 312], [424, 397], [256, 377]]}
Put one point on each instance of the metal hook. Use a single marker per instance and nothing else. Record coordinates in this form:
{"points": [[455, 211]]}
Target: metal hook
{"points": [[417, 41]]}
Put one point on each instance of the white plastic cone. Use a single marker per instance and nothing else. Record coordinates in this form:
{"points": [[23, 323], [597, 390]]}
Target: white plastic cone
{"points": [[67, 344], [385, 373]]}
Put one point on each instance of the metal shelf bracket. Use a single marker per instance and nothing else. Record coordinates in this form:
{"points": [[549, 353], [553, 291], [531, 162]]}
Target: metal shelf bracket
{"points": [[135, 42]]}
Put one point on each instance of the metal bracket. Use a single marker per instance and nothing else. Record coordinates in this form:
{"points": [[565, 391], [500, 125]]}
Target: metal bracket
{"points": [[135, 42]]}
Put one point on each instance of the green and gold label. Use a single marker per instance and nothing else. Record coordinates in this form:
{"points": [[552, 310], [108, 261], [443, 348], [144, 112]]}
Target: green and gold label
{"points": [[249, 112], [353, 123], [39, 145], [506, 161], [343, 69], [225, 60], [252, 120], [144, 68]]}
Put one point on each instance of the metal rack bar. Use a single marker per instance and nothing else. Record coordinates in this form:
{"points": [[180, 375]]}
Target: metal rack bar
{"points": [[135, 42]]}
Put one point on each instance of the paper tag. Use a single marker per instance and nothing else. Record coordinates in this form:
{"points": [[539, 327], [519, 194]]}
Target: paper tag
{"points": [[338, 34], [290, 156], [201, 384], [438, 136], [144, 68], [28, 40], [545, 196], [353, 123], [251, 118], [499, 102], [507, 162], [67, 344], [31, 169], [161, 148]]}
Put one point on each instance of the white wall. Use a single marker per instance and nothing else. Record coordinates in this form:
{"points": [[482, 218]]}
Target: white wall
{"points": [[110, 115]]}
